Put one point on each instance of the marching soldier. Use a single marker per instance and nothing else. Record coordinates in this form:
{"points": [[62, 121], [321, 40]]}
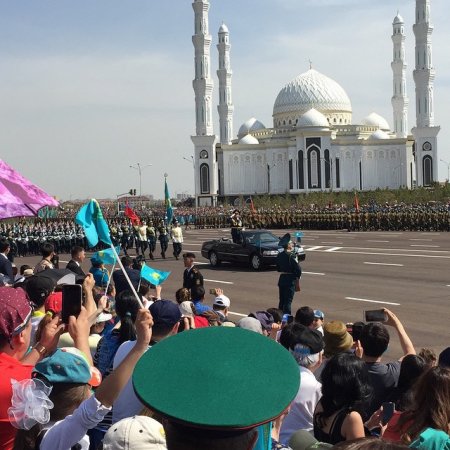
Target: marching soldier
{"points": [[177, 239], [142, 236], [290, 273], [151, 238], [163, 239]]}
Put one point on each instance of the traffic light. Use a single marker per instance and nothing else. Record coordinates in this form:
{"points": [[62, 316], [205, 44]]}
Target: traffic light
{"points": [[134, 191], [130, 191]]}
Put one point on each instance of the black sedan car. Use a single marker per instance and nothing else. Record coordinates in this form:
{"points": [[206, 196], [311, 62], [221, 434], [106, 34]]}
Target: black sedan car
{"points": [[258, 248]]}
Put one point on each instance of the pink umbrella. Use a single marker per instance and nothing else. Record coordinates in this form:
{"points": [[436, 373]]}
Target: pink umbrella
{"points": [[18, 196]]}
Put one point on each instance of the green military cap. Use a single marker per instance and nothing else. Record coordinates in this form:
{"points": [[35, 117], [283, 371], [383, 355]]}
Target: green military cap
{"points": [[284, 241], [233, 376]]}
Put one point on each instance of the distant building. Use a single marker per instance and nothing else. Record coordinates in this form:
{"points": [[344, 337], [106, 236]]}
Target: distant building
{"points": [[313, 144]]}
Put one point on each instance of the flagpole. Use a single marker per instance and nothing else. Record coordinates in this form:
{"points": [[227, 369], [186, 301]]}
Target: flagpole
{"points": [[109, 277], [126, 276]]}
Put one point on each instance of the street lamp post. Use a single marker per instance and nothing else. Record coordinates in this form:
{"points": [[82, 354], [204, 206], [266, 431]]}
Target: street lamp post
{"points": [[192, 161], [140, 168], [448, 169]]}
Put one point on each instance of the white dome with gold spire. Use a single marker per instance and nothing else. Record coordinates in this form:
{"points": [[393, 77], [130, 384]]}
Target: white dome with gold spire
{"points": [[312, 90]]}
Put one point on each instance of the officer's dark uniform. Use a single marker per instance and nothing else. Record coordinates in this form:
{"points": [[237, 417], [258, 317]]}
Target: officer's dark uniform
{"points": [[191, 277], [290, 270]]}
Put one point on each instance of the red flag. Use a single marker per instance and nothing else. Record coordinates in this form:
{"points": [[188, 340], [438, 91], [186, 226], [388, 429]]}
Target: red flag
{"points": [[132, 215], [252, 206], [356, 202]]}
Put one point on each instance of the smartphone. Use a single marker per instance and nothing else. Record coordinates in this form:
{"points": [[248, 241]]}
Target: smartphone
{"points": [[71, 301], [375, 315], [388, 412], [287, 319], [213, 291]]}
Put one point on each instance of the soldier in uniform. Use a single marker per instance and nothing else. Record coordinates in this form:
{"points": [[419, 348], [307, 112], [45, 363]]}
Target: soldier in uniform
{"points": [[290, 273], [125, 238], [163, 239], [191, 276], [177, 239], [236, 226], [142, 236], [151, 238]]}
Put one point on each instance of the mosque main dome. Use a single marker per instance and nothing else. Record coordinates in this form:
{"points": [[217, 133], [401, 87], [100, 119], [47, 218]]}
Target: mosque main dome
{"points": [[312, 90]]}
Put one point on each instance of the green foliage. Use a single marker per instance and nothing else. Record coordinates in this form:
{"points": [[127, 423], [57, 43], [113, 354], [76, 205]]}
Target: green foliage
{"points": [[437, 193]]}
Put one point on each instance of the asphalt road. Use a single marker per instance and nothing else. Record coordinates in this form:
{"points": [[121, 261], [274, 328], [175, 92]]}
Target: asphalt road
{"points": [[343, 275]]}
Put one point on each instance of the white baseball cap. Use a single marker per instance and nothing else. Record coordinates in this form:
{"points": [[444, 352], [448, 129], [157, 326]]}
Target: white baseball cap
{"points": [[137, 433], [186, 309], [222, 300], [103, 317]]}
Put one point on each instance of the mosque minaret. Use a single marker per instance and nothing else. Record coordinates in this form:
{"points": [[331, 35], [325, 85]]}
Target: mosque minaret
{"points": [[425, 132], [224, 73], [399, 99], [205, 162]]}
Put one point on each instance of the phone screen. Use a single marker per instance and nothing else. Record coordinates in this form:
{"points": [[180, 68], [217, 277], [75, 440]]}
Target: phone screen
{"points": [[375, 315], [71, 301], [388, 412]]}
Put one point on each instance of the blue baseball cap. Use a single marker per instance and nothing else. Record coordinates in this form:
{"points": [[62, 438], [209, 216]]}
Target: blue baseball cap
{"points": [[319, 314], [67, 365]]}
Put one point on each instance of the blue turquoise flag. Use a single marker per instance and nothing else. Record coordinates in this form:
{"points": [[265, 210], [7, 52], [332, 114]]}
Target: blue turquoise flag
{"points": [[90, 217], [106, 256], [168, 203], [153, 276]]}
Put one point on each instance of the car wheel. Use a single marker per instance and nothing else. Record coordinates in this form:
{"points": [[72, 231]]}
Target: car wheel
{"points": [[214, 259], [256, 262]]}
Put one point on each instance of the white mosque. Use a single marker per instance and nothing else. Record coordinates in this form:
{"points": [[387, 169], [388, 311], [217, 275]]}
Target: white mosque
{"points": [[313, 144]]}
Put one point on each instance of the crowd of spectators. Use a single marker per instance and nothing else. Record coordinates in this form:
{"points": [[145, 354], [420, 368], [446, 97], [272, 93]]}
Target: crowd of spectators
{"points": [[136, 371]]}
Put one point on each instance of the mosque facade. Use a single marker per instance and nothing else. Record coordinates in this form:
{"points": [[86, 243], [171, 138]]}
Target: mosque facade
{"points": [[313, 144]]}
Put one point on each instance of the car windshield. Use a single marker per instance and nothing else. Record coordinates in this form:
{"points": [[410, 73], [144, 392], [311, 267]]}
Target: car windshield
{"points": [[260, 238]]}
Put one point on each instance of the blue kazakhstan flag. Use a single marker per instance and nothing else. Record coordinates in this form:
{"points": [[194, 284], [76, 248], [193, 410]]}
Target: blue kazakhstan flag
{"points": [[153, 276], [90, 217], [106, 256], [167, 202]]}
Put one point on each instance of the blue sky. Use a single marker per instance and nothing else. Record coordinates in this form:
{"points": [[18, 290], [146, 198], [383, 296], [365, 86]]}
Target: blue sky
{"points": [[89, 87]]}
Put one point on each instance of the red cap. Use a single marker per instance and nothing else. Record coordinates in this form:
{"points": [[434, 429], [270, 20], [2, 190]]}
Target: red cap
{"points": [[54, 302], [15, 311]]}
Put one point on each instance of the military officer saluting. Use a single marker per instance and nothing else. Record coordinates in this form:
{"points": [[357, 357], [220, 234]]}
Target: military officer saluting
{"points": [[290, 273], [236, 226], [191, 276]]}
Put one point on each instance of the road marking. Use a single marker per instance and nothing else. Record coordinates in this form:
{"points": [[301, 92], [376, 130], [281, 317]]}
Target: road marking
{"points": [[333, 249], [331, 242], [218, 281], [237, 314], [197, 263], [383, 264], [421, 240], [63, 261], [197, 245], [448, 285], [313, 248], [371, 301], [313, 273], [425, 245], [396, 254], [376, 241]]}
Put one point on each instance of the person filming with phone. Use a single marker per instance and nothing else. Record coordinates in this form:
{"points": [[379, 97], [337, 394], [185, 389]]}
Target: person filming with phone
{"points": [[374, 342]]}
